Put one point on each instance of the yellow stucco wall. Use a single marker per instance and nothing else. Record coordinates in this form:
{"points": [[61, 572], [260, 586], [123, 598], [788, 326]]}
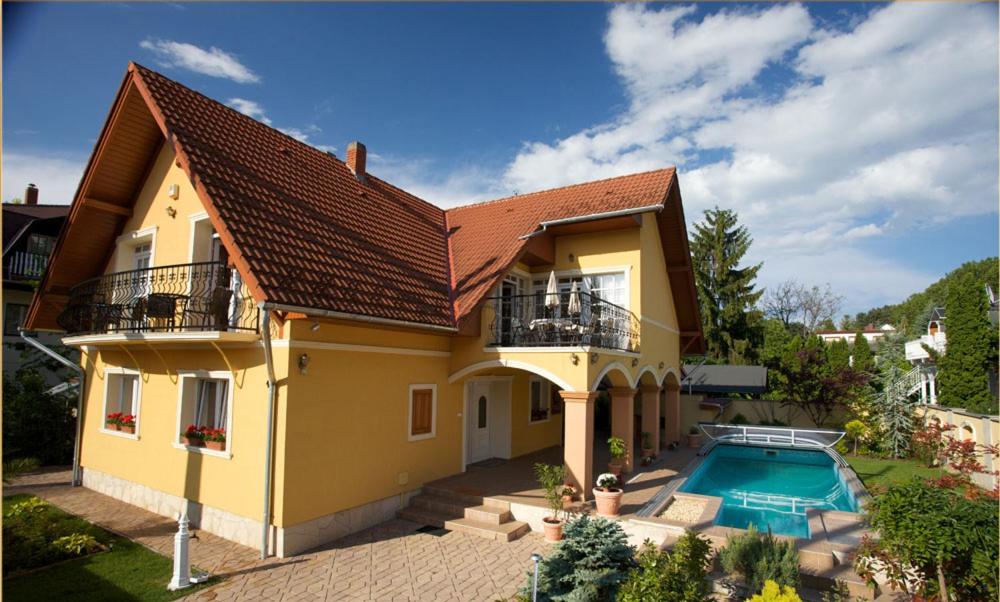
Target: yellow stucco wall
{"points": [[234, 484]]}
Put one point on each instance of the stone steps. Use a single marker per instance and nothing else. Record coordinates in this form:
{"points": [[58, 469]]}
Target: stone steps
{"points": [[466, 513]]}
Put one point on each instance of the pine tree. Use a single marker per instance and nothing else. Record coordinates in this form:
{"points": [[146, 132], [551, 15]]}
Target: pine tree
{"points": [[963, 372], [730, 320], [861, 353], [838, 354]]}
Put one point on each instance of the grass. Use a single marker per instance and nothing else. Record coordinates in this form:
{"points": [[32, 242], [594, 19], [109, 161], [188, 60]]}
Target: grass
{"points": [[127, 571], [878, 474]]}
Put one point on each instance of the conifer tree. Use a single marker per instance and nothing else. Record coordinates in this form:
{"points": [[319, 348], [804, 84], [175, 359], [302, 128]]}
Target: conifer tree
{"points": [[838, 354], [963, 371], [726, 291], [861, 352]]}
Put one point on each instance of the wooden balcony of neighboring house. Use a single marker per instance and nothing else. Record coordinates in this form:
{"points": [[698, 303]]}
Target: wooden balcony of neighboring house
{"points": [[25, 266], [177, 302], [587, 321]]}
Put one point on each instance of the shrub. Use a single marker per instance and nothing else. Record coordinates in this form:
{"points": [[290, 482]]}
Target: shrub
{"points": [[616, 446], [35, 423], [856, 430], [758, 557], [739, 419], [550, 477], [32, 505], [948, 538], [77, 544], [676, 576], [19, 466], [31, 527], [588, 565], [772, 592]]}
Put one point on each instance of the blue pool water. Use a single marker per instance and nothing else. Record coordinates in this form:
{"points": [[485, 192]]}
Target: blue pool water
{"points": [[770, 487]]}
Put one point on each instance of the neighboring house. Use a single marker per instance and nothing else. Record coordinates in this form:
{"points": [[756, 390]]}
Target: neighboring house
{"points": [[872, 335], [210, 259], [718, 392], [29, 233]]}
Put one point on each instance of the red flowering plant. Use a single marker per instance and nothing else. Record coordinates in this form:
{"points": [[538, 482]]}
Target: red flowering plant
{"points": [[113, 420], [193, 433], [127, 420], [214, 434]]}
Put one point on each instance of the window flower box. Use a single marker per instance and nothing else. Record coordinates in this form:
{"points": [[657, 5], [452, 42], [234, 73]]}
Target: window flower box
{"points": [[215, 439], [127, 424], [193, 436], [113, 421]]}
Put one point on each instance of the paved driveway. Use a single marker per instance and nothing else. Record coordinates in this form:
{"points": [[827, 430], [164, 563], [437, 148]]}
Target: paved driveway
{"points": [[390, 561]]}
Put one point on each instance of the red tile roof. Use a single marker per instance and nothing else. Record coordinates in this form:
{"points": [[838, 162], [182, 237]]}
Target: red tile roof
{"points": [[307, 233]]}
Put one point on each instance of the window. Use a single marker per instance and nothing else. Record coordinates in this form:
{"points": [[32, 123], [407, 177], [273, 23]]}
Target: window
{"points": [[539, 396], [121, 402], [610, 287], [13, 317], [423, 412], [39, 244], [206, 400], [142, 253]]}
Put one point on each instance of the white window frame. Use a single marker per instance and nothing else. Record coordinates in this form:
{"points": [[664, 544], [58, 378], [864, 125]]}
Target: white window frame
{"points": [[213, 375], [126, 243], [109, 371], [409, 413], [626, 270], [546, 395]]}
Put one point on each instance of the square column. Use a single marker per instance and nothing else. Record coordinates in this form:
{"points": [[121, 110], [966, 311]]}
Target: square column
{"points": [[622, 423], [578, 449], [673, 416], [651, 414]]}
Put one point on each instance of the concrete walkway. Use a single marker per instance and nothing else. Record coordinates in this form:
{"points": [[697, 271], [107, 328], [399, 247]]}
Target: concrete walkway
{"points": [[390, 561]]}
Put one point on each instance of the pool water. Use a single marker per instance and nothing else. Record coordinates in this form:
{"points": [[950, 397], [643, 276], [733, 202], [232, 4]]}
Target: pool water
{"points": [[770, 487]]}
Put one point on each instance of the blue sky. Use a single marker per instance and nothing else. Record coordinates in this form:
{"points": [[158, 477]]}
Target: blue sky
{"points": [[857, 141]]}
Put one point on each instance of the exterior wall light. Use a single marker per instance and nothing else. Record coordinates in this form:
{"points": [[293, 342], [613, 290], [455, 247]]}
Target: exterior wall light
{"points": [[314, 327], [661, 365], [303, 363], [593, 358], [174, 191], [635, 362], [574, 358], [171, 211]]}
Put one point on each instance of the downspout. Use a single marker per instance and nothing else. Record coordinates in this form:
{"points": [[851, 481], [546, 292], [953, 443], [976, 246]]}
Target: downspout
{"points": [[272, 386], [76, 482]]}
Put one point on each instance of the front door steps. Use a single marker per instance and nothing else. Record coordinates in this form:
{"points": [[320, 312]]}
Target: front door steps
{"points": [[485, 517]]}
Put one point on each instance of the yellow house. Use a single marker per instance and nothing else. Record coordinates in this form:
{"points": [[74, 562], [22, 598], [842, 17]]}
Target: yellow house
{"points": [[339, 342]]}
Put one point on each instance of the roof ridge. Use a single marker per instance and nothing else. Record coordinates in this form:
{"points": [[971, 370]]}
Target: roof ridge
{"points": [[241, 114], [567, 186]]}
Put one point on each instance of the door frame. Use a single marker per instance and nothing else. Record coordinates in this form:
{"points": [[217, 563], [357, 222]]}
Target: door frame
{"points": [[466, 413]]}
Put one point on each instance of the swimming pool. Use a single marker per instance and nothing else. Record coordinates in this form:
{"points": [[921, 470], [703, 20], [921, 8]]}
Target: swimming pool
{"points": [[770, 487]]}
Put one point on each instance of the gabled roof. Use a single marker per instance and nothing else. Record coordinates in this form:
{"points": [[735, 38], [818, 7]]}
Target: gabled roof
{"points": [[18, 219], [305, 232]]}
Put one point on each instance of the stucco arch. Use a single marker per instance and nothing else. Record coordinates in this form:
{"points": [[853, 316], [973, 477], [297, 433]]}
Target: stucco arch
{"points": [[516, 364], [613, 368], [652, 379], [671, 379]]}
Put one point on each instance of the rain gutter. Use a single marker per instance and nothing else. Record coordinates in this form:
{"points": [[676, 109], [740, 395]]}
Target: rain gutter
{"points": [[542, 227], [272, 386], [326, 313]]}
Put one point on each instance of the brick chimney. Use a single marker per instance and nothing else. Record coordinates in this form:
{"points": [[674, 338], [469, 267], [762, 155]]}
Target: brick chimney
{"points": [[31, 195], [356, 155]]}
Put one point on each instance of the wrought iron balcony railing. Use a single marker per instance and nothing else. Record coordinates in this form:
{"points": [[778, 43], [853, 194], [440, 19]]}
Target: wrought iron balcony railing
{"points": [[22, 265], [175, 298], [528, 321]]}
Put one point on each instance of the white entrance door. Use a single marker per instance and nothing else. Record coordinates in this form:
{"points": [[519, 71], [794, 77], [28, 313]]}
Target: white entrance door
{"points": [[479, 423]]}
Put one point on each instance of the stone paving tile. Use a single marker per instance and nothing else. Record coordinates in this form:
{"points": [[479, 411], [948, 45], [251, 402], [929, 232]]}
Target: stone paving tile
{"points": [[390, 561]]}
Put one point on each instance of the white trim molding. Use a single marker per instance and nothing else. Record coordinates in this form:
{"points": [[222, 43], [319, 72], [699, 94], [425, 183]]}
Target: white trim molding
{"points": [[651, 370], [574, 349], [205, 374], [137, 237], [136, 403], [171, 337], [409, 413], [515, 364]]}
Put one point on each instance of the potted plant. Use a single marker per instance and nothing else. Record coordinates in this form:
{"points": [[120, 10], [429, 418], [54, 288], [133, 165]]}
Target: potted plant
{"points": [[647, 446], [127, 424], [215, 439], [616, 446], [694, 437], [193, 436], [113, 421], [608, 494], [568, 496], [550, 477]]}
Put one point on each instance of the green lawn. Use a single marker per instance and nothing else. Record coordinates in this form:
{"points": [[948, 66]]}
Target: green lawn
{"points": [[127, 571], [878, 474]]}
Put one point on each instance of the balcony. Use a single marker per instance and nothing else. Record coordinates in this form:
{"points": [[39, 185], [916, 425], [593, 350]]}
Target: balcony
{"points": [[527, 321], [194, 297], [25, 266]]}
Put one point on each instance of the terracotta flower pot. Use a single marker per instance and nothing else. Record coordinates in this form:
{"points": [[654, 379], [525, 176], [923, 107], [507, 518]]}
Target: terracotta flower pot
{"points": [[609, 502], [648, 453], [694, 441], [216, 445], [128, 428], [615, 467], [193, 442], [553, 529], [111, 426]]}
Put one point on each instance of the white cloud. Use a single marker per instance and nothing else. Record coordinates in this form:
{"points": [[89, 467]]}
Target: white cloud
{"points": [[213, 62], [468, 184], [252, 108], [56, 177]]}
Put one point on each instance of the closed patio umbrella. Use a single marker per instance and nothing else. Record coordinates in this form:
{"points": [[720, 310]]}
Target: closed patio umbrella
{"points": [[574, 306], [552, 292]]}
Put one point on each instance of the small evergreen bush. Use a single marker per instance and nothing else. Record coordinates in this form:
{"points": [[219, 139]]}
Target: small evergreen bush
{"points": [[588, 565], [772, 592], [675, 576], [758, 557]]}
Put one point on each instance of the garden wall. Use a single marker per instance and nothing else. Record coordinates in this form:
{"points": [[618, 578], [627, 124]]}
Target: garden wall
{"points": [[981, 428]]}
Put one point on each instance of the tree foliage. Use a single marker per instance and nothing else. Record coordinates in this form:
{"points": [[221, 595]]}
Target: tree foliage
{"points": [[838, 354], [963, 377], [861, 352], [760, 557], [726, 291], [588, 565], [35, 423]]}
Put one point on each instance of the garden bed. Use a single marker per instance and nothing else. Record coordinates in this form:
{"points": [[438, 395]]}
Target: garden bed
{"points": [[35, 570]]}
